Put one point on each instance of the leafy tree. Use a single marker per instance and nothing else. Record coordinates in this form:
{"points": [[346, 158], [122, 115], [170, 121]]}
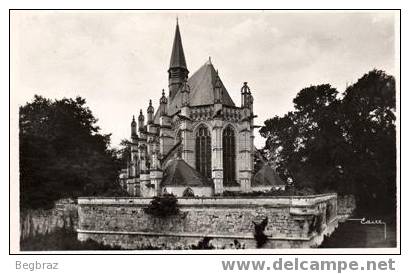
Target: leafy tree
{"points": [[307, 142], [340, 142], [124, 152], [369, 120], [62, 153]]}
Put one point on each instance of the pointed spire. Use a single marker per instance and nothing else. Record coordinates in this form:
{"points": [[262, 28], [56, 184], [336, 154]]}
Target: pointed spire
{"points": [[141, 116], [163, 99], [218, 83], [150, 108], [217, 89], [133, 127], [177, 56], [141, 120]]}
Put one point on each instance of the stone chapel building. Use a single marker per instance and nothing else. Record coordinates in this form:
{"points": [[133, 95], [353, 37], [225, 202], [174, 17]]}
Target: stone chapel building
{"points": [[197, 142]]}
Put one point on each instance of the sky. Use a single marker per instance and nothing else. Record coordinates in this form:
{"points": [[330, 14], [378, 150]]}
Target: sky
{"points": [[118, 60]]}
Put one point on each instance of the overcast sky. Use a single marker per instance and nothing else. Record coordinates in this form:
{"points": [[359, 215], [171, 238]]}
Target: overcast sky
{"points": [[119, 60]]}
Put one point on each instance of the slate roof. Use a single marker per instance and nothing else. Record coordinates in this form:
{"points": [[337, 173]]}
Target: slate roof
{"points": [[201, 85], [267, 176], [179, 173]]}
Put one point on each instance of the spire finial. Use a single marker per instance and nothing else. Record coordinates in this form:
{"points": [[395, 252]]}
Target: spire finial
{"points": [[245, 88], [177, 19], [163, 92]]}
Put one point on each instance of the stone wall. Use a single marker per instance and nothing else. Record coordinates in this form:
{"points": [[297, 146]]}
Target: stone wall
{"points": [[40, 221], [292, 221]]}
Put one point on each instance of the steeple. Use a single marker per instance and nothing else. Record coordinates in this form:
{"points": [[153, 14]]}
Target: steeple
{"points": [[177, 72], [177, 55]]}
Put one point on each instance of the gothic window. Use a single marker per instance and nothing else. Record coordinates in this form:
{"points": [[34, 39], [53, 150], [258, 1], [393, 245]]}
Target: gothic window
{"points": [[203, 151], [188, 192], [228, 141], [178, 139]]}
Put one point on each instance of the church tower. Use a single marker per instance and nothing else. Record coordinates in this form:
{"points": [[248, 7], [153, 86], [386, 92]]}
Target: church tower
{"points": [[177, 72]]}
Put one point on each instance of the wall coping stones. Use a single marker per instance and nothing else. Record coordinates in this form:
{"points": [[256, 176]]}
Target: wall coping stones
{"points": [[274, 201]]}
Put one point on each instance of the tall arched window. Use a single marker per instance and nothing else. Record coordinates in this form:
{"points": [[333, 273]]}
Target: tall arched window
{"points": [[229, 157], [203, 151]]}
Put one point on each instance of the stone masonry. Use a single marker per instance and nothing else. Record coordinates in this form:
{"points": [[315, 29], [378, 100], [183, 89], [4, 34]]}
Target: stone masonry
{"points": [[228, 222]]}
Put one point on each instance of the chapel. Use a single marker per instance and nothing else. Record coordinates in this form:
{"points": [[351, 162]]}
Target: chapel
{"points": [[197, 142]]}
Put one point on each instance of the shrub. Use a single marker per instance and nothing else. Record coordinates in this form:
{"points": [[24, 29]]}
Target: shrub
{"points": [[163, 206]]}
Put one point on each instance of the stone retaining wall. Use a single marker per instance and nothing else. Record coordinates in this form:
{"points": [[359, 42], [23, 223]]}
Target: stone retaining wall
{"points": [[292, 221]]}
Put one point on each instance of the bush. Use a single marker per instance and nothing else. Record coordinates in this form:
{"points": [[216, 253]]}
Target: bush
{"points": [[163, 206]]}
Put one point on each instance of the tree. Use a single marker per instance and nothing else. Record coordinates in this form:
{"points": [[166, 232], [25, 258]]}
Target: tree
{"points": [[307, 142], [339, 142], [62, 153], [369, 120], [124, 152]]}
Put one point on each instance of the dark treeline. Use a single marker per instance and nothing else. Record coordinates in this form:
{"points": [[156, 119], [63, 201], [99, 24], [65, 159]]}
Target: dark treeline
{"points": [[63, 154], [344, 142]]}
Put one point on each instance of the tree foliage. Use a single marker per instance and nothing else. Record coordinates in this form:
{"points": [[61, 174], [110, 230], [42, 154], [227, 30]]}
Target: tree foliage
{"points": [[124, 152], [344, 142], [62, 153], [163, 206]]}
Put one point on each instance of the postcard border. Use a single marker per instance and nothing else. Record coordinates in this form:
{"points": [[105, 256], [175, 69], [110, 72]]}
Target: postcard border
{"points": [[214, 253]]}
